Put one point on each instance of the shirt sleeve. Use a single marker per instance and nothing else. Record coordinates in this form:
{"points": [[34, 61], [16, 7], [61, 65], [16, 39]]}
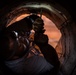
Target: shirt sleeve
{"points": [[33, 66]]}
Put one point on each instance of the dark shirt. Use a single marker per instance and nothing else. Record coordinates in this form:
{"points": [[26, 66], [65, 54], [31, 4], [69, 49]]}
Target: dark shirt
{"points": [[48, 51], [34, 65]]}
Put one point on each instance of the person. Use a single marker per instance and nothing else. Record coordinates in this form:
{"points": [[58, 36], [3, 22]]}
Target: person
{"points": [[41, 40], [19, 56]]}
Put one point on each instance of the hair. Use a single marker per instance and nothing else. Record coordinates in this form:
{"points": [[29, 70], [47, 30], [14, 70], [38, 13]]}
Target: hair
{"points": [[24, 24]]}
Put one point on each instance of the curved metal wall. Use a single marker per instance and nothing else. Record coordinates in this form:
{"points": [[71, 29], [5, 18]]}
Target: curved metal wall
{"points": [[60, 17]]}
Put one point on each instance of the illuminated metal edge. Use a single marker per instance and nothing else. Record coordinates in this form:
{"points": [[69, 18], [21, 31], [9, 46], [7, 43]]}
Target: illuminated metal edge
{"points": [[36, 5]]}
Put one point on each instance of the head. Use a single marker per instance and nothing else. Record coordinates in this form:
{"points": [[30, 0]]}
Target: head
{"points": [[11, 44], [38, 25]]}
